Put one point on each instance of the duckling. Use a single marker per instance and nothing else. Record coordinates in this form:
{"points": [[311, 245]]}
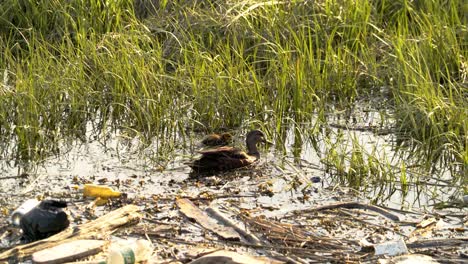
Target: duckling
{"points": [[226, 158], [214, 140]]}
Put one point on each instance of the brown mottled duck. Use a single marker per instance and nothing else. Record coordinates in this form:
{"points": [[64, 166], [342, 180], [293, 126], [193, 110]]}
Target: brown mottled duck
{"points": [[214, 140], [227, 158]]}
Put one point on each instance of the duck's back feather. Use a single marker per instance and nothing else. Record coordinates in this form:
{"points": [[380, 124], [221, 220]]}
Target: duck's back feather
{"points": [[224, 151], [223, 158]]}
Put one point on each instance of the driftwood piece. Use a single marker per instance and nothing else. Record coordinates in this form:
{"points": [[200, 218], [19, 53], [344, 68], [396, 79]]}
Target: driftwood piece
{"points": [[353, 205], [69, 251], [226, 221], [23, 175], [193, 212], [95, 229], [431, 243]]}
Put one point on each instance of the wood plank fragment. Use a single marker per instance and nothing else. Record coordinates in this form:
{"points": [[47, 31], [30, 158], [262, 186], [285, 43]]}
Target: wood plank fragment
{"points": [[69, 251], [191, 211], [226, 221]]}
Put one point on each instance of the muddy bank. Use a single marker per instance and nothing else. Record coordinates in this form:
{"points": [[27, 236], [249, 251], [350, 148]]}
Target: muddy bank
{"points": [[279, 200]]}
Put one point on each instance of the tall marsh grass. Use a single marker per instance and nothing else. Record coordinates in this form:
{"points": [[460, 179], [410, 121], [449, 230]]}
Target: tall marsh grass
{"points": [[158, 69]]}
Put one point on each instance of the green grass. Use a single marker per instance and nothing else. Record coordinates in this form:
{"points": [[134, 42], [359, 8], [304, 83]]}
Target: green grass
{"points": [[108, 65]]}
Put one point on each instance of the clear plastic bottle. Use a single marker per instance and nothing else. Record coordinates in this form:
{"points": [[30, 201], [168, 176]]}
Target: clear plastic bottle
{"points": [[22, 210], [139, 251]]}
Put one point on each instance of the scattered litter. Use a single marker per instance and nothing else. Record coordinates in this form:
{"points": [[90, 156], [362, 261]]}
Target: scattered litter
{"points": [[426, 222], [23, 209], [392, 248], [99, 228], [220, 228], [133, 252], [316, 179], [44, 220], [101, 191]]}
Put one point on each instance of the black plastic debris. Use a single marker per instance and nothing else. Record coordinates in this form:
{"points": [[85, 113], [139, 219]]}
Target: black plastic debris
{"points": [[44, 220], [316, 179]]}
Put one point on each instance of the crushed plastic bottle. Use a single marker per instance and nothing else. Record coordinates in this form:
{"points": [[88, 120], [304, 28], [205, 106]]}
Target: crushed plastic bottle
{"points": [[23, 209], [136, 252]]}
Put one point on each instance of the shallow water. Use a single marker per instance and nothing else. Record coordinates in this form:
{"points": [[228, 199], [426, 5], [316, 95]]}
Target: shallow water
{"points": [[280, 182]]}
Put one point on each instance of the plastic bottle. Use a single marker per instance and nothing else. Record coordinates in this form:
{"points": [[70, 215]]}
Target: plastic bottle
{"points": [[138, 251], [22, 210], [102, 191]]}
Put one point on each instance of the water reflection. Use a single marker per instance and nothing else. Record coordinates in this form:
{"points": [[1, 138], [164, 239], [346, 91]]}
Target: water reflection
{"points": [[360, 158]]}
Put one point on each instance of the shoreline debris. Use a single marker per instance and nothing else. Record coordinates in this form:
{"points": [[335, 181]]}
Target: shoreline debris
{"points": [[99, 228]]}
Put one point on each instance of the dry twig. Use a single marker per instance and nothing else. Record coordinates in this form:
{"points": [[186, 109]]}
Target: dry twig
{"points": [[353, 205]]}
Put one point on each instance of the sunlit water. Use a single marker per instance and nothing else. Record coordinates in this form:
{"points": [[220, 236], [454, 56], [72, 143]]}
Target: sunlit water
{"points": [[279, 182]]}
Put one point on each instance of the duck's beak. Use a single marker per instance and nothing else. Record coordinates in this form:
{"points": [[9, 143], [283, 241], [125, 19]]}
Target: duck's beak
{"points": [[264, 140]]}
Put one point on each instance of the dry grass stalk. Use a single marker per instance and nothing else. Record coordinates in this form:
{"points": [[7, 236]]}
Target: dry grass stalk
{"points": [[293, 236]]}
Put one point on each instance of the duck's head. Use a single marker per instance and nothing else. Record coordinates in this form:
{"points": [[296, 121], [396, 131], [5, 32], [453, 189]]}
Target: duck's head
{"points": [[256, 136], [227, 137]]}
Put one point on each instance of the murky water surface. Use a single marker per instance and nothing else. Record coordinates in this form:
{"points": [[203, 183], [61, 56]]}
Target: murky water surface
{"points": [[279, 182]]}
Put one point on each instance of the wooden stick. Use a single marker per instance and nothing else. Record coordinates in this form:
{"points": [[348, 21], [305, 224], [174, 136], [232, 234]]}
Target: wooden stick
{"points": [[24, 175], [215, 197], [352, 205], [430, 243]]}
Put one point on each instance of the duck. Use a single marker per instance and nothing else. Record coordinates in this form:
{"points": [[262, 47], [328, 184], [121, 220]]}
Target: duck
{"points": [[227, 158], [214, 140]]}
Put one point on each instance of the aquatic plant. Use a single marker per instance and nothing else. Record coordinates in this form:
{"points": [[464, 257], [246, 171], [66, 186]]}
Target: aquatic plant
{"points": [[163, 68]]}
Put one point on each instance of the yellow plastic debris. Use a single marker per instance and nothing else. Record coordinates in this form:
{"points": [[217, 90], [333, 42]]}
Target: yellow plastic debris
{"points": [[101, 191], [101, 201]]}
